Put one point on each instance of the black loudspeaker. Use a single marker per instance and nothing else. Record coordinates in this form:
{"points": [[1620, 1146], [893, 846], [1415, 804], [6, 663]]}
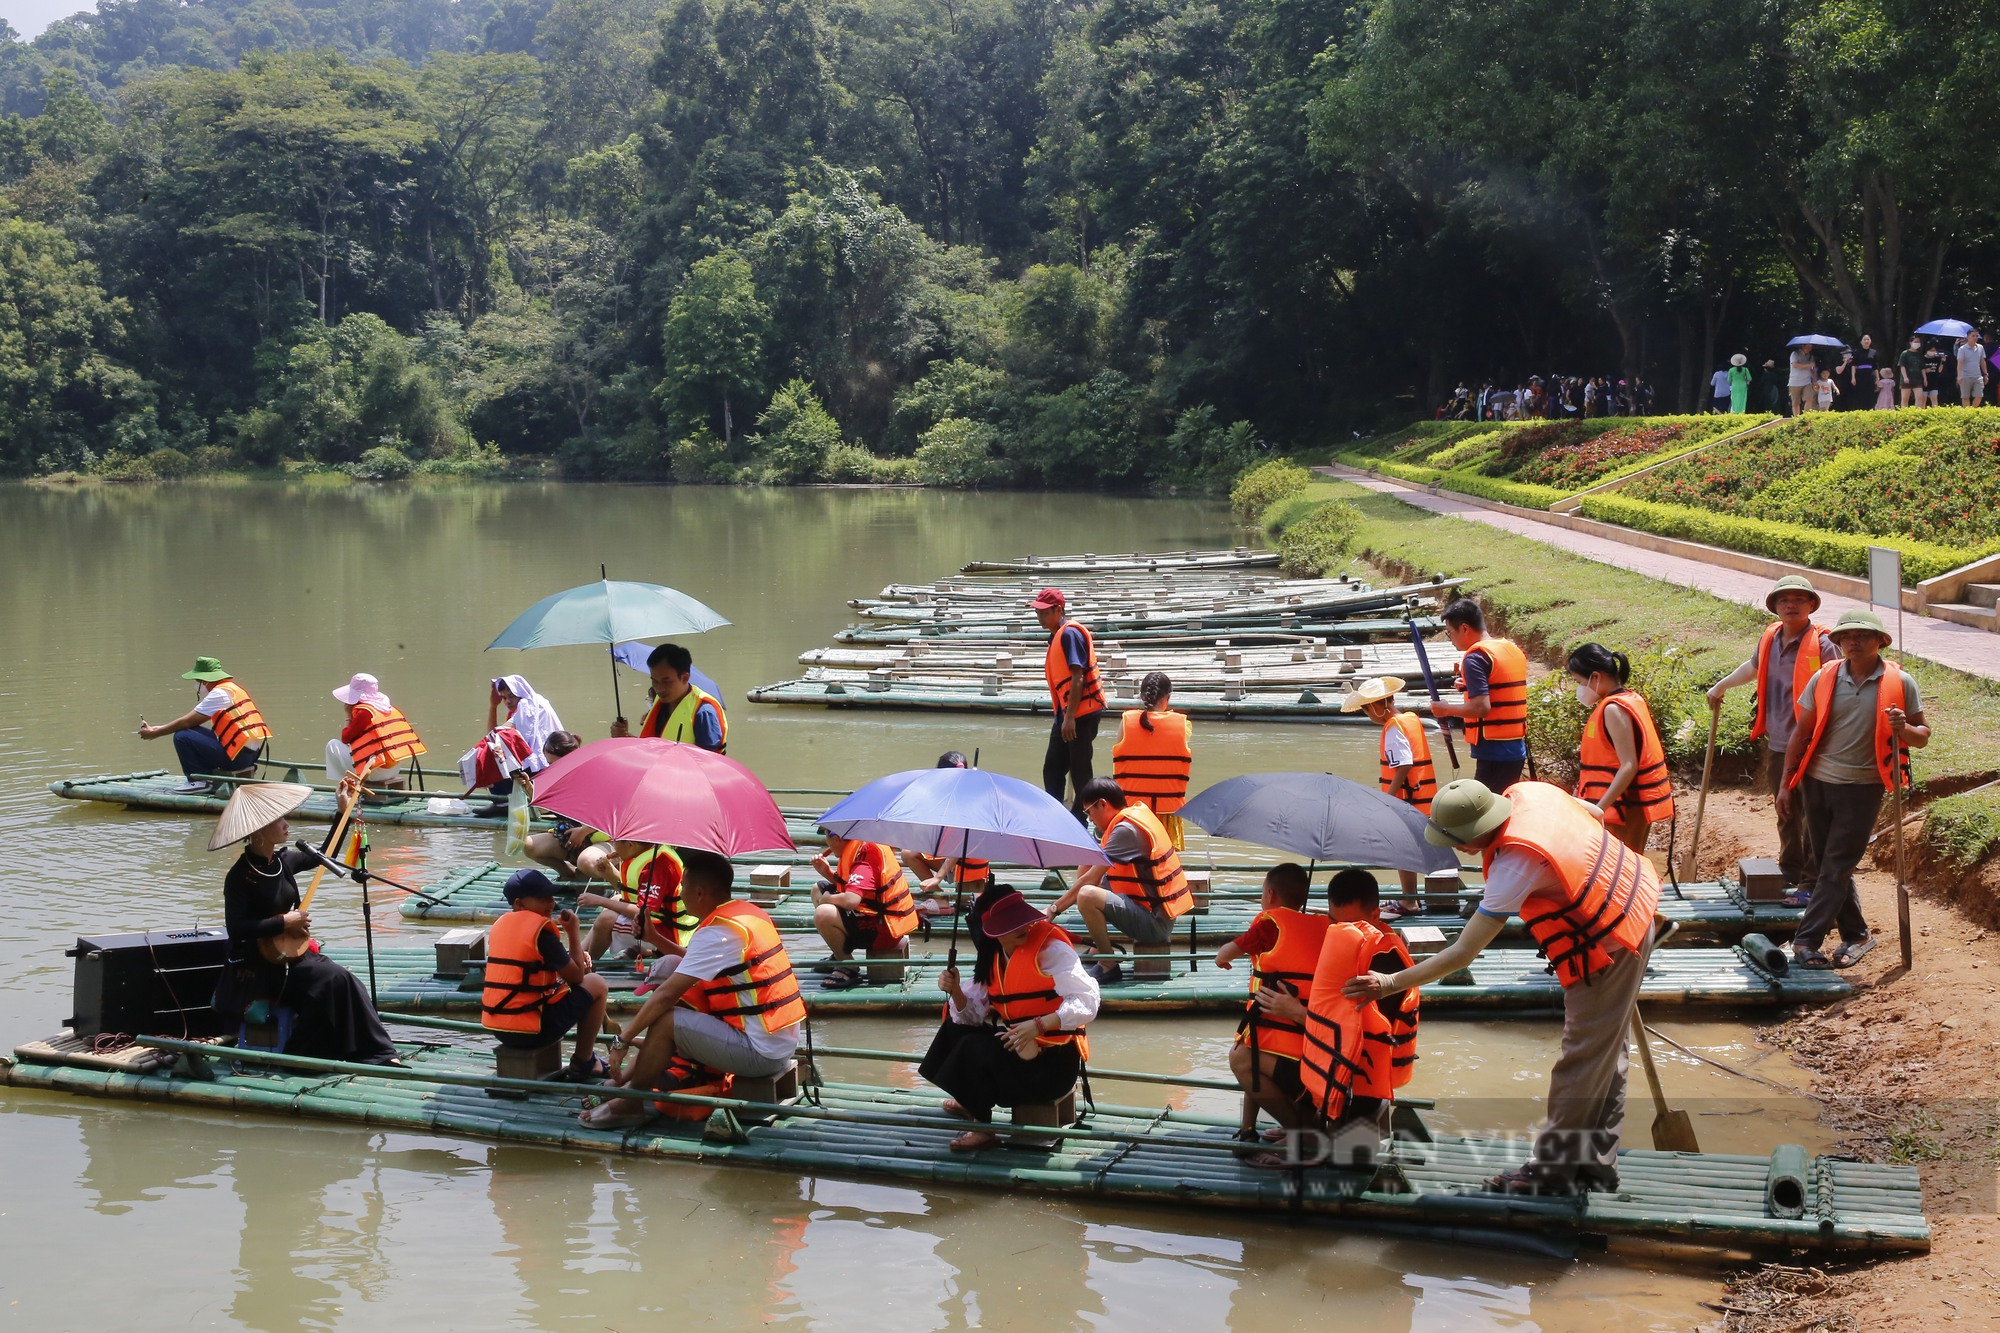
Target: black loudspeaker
{"points": [[149, 982]]}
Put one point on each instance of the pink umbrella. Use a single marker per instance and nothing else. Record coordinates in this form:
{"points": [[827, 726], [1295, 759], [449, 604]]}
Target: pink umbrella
{"points": [[644, 789]]}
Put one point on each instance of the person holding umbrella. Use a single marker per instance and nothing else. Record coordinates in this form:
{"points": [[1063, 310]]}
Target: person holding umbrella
{"points": [[681, 710], [1588, 901], [223, 733], [1804, 375]]}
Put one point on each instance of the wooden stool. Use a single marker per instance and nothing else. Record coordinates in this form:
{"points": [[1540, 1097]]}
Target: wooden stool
{"points": [[767, 883], [1152, 962], [1443, 882], [455, 948], [1200, 883], [1763, 881], [1030, 1116], [781, 1089], [890, 973], [537, 1062]]}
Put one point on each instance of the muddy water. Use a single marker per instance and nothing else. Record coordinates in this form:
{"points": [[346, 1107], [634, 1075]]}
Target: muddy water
{"points": [[120, 1216]]}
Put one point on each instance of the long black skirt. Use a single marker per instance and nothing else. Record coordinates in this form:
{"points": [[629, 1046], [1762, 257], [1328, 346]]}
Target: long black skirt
{"points": [[974, 1066], [332, 1017]]}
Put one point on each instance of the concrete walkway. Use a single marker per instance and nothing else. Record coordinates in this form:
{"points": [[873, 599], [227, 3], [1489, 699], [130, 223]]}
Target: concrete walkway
{"points": [[1974, 651]]}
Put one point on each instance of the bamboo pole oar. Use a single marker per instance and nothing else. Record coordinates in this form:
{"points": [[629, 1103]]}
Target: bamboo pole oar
{"points": [[1691, 867]]}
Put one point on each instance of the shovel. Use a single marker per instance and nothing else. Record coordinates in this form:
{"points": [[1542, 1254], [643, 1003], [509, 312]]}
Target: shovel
{"points": [[1672, 1130]]}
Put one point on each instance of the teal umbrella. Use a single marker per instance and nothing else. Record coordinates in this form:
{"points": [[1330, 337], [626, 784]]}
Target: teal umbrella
{"points": [[607, 612]]}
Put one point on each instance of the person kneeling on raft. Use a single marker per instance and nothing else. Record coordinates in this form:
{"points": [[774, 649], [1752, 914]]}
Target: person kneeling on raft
{"points": [[1014, 1034], [537, 988], [1588, 900], [729, 1005], [319, 1007], [1146, 887]]}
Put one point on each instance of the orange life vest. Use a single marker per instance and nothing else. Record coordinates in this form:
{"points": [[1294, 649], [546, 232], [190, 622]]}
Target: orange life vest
{"points": [[1056, 668], [1291, 961], [388, 741], [519, 985], [1888, 694], [1152, 765], [1024, 991], [240, 726], [652, 881], [1506, 692], [760, 981], [1804, 667], [1423, 775], [973, 874], [1651, 792], [1334, 1066], [678, 723], [891, 900], [1609, 891], [1392, 1056], [1156, 878]]}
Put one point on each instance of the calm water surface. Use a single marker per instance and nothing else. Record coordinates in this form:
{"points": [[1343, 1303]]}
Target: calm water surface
{"points": [[114, 1215]]}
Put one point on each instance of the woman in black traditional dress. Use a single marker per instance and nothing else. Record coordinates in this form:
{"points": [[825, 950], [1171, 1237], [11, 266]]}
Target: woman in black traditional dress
{"points": [[332, 1018]]}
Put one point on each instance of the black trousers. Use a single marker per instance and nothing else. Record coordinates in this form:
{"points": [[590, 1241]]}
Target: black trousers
{"points": [[975, 1067], [1498, 774], [1839, 818], [1070, 759]]}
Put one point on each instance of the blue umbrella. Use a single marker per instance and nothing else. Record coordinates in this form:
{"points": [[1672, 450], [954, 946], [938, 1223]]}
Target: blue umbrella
{"points": [[634, 655], [1815, 340], [965, 812], [1945, 328], [1320, 817]]}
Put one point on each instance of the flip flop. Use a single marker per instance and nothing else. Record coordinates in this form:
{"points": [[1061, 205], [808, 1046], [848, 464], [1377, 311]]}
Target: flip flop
{"points": [[1799, 899], [1847, 955], [1810, 958]]}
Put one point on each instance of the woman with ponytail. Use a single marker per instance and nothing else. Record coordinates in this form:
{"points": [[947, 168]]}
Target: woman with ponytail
{"points": [[1154, 755], [1621, 764]]}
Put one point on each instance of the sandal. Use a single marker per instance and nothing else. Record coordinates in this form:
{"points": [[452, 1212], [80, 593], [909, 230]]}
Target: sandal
{"points": [[841, 978], [1853, 951], [1808, 957], [975, 1139], [1798, 898], [590, 1071]]}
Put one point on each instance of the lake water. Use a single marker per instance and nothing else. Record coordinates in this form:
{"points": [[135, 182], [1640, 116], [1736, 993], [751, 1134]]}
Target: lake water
{"points": [[115, 1215]]}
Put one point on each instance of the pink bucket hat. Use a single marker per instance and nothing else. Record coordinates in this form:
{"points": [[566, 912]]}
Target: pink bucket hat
{"points": [[363, 689]]}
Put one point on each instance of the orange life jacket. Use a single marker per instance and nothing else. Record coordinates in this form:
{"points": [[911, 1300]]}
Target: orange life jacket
{"points": [[1156, 878], [1392, 1055], [891, 900], [1290, 960], [652, 881], [678, 724], [1152, 765], [1056, 668], [1506, 692], [519, 985], [973, 874], [388, 741], [1888, 694], [1609, 891], [240, 726], [1804, 667], [1024, 991], [1651, 792], [1423, 775], [1334, 1066], [760, 981]]}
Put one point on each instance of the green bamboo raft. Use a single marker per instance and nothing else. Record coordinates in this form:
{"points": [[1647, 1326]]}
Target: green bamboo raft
{"points": [[1716, 913], [1501, 982], [1421, 1185], [1291, 704], [1306, 627]]}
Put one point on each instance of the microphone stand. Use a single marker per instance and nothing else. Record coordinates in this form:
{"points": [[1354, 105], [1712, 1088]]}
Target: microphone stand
{"points": [[361, 874]]}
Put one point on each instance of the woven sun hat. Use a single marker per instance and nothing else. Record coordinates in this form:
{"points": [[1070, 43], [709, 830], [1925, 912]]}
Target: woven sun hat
{"points": [[1790, 583], [1739, 360], [1464, 810], [1371, 691], [362, 689], [1856, 618], [252, 806], [206, 668]]}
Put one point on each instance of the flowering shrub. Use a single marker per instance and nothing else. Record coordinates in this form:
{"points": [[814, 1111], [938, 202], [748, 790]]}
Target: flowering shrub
{"points": [[1584, 459]]}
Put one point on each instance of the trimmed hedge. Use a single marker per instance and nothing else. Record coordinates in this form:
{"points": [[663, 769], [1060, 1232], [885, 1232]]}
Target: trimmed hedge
{"points": [[1465, 483], [1841, 552]]}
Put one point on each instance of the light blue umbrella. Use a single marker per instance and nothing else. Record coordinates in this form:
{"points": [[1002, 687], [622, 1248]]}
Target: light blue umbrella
{"points": [[1815, 340], [1945, 328], [1320, 817], [607, 612]]}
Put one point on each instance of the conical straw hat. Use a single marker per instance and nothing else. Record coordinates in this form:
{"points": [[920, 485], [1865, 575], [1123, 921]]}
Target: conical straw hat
{"points": [[254, 805]]}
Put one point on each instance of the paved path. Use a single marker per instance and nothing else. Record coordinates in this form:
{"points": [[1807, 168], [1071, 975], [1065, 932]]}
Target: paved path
{"points": [[1974, 651]]}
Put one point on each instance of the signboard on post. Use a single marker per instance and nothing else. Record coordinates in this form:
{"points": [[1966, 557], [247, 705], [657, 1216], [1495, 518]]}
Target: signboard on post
{"points": [[1885, 582]]}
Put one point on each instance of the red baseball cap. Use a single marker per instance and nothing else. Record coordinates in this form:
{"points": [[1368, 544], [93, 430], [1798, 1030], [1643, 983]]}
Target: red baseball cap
{"points": [[1007, 913], [1047, 598]]}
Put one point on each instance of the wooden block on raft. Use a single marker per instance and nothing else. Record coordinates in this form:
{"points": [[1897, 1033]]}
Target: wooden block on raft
{"points": [[1200, 883], [1030, 1116], [779, 1089], [1446, 885], [1763, 880], [536, 1062], [1422, 941], [888, 974], [1152, 962], [457, 947], [765, 881]]}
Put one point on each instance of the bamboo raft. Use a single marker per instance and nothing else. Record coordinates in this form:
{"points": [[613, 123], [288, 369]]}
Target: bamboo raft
{"points": [[1339, 598], [1717, 912], [1288, 630], [1241, 557], [1502, 982], [1304, 705], [1421, 1185]]}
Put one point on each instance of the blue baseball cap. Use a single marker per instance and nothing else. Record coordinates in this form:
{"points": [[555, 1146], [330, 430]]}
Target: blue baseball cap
{"points": [[528, 884]]}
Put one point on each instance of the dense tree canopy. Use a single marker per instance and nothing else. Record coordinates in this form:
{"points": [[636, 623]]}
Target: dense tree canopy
{"points": [[959, 241]]}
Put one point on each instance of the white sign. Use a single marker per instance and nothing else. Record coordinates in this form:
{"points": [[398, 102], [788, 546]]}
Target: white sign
{"points": [[1885, 576]]}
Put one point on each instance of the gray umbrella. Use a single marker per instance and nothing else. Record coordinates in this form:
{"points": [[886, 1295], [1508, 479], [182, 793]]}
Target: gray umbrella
{"points": [[1320, 817]]}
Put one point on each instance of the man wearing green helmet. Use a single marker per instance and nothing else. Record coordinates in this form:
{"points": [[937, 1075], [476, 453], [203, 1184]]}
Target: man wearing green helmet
{"points": [[222, 734]]}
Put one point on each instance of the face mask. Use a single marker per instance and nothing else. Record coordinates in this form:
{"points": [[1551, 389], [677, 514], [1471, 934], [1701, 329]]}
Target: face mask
{"points": [[1586, 696]]}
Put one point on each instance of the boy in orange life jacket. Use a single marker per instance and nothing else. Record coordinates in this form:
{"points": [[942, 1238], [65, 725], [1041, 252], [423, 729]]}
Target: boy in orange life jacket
{"points": [[1283, 944], [536, 989], [1406, 772], [1857, 722], [1779, 672]]}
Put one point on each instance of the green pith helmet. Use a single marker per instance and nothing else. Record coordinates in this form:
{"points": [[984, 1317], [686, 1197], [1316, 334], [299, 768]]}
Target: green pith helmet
{"points": [[1791, 583], [206, 668], [1859, 619], [1464, 810]]}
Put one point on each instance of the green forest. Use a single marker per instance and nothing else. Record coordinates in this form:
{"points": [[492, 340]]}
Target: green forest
{"points": [[959, 242]]}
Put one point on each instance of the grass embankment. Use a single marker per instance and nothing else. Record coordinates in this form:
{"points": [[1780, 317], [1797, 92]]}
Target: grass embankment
{"points": [[1680, 640]]}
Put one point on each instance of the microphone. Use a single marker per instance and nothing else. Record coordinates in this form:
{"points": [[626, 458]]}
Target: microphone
{"points": [[322, 858]]}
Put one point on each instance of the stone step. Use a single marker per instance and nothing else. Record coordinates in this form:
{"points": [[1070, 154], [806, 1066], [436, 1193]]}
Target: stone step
{"points": [[1965, 613], [1983, 594]]}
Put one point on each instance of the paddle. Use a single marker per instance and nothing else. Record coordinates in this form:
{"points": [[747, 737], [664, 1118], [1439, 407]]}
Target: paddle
{"points": [[1672, 1130], [1689, 868], [291, 944], [1430, 683]]}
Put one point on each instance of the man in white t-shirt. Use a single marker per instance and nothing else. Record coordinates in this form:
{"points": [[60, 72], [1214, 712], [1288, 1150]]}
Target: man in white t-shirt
{"points": [[222, 734]]}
